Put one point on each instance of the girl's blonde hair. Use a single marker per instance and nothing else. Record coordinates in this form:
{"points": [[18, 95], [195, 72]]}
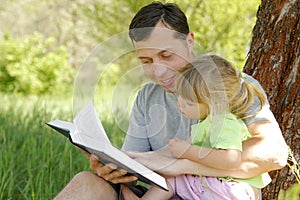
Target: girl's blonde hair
{"points": [[212, 80]]}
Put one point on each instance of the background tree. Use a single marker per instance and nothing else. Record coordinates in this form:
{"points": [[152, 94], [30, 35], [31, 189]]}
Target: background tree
{"points": [[274, 60]]}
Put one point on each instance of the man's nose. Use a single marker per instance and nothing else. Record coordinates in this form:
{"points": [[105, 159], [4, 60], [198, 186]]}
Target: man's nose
{"points": [[159, 68]]}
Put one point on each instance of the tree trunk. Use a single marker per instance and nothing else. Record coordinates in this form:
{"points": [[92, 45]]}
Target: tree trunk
{"points": [[274, 60]]}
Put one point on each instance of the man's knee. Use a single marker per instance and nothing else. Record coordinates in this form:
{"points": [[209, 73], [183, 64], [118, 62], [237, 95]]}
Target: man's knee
{"points": [[84, 177], [90, 180], [87, 185]]}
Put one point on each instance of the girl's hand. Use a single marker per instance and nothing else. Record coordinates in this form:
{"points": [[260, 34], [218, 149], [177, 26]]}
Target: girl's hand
{"points": [[178, 148]]}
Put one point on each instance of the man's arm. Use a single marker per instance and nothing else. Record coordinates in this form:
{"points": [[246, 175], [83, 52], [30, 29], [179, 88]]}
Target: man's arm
{"points": [[265, 151]]}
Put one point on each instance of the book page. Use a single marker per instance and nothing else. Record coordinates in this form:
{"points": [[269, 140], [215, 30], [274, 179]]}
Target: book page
{"points": [[89, 126], [88, 133]]}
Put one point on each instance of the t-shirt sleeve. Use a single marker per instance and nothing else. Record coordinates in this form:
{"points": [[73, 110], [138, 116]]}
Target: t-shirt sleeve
{"points": [[233, 132], [264, 114], [136, 138]]}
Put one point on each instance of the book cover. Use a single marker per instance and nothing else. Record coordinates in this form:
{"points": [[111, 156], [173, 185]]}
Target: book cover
{"points": [[87, 133]]}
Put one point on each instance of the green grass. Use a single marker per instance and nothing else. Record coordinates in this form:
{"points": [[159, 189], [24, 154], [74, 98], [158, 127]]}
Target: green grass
{"points": [[37, 162]]}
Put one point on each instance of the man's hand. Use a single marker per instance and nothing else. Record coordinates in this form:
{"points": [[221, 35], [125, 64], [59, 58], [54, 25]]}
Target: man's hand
{"points": [[178, 148], [108, 172]]}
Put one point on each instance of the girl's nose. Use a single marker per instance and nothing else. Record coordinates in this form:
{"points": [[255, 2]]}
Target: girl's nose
{"points": [[180, 104]]}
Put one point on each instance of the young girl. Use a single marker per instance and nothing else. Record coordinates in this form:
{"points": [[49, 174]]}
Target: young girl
{"points": [[211, 91]]}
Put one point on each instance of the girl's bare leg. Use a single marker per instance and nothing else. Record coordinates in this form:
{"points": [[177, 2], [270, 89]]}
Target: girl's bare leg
{"points": [[154, 193]]}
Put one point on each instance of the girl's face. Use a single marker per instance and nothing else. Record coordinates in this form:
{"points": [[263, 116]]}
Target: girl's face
{"points": [[193, 110]]}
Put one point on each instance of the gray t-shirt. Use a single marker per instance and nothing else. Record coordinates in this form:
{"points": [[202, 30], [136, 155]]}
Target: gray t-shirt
{"points": [[155, 118]]}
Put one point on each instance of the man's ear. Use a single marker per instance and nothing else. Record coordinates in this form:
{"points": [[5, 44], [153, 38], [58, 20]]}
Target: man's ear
{"points": [[190, 41]]}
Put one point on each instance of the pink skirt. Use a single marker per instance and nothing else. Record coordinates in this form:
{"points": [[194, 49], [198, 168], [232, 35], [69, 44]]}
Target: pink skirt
{"points": [[192, 187]]}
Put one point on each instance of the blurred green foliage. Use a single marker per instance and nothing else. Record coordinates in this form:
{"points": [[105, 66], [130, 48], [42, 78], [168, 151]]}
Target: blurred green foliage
{"points": [[223, 26], [37, 63], [220, 26], [33, 65], [41, 45]]}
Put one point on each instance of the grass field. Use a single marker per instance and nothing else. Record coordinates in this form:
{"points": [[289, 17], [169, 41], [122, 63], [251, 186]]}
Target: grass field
{"points": [[36, 162]]}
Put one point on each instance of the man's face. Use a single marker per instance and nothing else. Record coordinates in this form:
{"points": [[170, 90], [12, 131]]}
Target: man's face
{"points": [[162, 55]]}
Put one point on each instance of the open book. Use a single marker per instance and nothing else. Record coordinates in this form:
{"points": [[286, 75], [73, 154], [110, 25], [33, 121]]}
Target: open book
{"points": [[87, 133]]}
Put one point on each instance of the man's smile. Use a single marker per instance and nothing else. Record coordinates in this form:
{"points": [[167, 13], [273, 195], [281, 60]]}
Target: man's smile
{"points": [[169, 81]]}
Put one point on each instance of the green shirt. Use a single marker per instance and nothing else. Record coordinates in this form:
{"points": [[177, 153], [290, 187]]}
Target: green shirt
{"points": [[155, 118], [225, 132]]}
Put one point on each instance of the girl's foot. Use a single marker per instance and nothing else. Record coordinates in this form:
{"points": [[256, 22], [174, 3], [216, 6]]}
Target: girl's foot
{"points": [[128, 194]]}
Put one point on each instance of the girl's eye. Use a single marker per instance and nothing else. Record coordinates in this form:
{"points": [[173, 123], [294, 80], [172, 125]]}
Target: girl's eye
{"points": [[188, 103]]}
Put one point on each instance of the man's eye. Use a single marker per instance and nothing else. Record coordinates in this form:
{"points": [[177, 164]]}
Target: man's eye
{"points": [[166, 55], [145, 61]]}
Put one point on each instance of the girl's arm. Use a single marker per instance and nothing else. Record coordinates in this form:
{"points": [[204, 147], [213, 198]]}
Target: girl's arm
{"points": [[168, 166], [265, 151], [225, 158]]}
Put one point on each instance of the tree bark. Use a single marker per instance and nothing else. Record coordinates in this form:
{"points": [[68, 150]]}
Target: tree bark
{"points": [[274, 60]]}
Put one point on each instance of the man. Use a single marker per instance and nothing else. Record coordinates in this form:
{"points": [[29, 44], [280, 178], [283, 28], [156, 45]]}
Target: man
{"points": [[155, 118]]}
